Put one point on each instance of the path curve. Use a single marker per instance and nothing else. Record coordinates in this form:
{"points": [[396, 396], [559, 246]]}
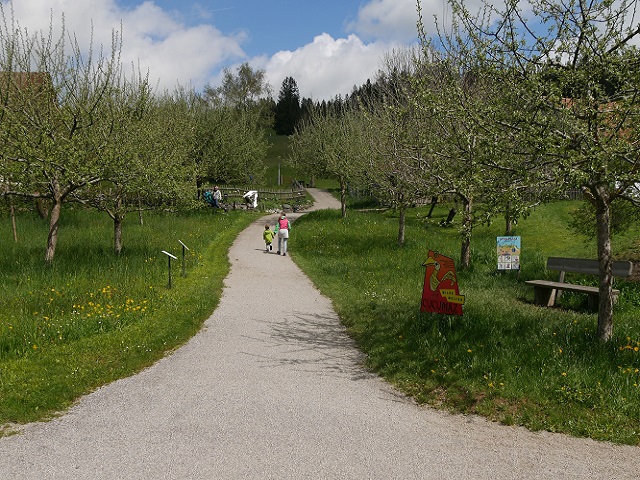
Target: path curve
{"points": [[271, 388]]}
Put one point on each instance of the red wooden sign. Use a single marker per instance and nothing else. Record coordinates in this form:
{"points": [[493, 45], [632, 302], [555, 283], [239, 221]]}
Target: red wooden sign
{"points": [[440, 293]]}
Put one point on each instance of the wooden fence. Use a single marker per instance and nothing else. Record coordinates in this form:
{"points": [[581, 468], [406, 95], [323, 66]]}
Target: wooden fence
{"points": [[233, 196]]}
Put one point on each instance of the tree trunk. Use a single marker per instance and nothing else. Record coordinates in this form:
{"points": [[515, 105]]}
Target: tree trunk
{"points": [[401, 223], [140, 217], [42, 208], [54, 220], [343, 199], [508, 221], [199, 182], [13, 221], [452, 213], [434, 201], [467, 225], [118, 217], [605, 307], [117, 233]]}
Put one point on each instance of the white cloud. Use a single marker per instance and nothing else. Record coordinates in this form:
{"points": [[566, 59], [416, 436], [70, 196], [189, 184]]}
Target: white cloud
{"points": [[386, 19], [325, 68], [397, 19], [152, 37], [174, 52]]}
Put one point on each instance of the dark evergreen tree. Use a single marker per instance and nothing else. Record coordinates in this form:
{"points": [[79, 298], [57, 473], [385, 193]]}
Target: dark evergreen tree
{"points": [[288, 110], [307, 107]]}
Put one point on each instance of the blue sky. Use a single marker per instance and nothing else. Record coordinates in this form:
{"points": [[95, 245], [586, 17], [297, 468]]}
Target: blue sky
{"points": [[271, 26], [327, 46]]}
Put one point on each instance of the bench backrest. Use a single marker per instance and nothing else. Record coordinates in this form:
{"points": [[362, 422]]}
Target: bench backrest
{"points": [[583, 265]]}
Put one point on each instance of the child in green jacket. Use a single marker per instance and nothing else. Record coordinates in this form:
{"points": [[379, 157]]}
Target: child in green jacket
{"points": [[268, 235]]}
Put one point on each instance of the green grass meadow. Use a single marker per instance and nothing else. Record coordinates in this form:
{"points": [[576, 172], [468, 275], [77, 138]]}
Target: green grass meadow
{"points": [[505, 358], [92, 317]]}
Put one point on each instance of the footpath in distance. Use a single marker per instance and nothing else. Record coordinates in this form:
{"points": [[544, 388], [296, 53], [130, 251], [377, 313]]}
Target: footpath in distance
{"points": [[272, 388]]}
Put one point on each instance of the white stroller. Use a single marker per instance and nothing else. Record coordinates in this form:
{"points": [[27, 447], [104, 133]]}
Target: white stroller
{"points": [[251, 198]]}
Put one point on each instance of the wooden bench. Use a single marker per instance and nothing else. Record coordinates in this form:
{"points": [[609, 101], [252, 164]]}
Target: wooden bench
{"points": [[546, 292]]}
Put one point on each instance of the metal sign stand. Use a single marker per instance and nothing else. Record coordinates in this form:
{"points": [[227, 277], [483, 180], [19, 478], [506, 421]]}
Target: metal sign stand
{"points": [[184, 268], [169, 256]]}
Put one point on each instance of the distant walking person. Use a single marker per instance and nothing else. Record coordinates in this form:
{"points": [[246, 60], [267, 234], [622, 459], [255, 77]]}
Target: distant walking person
{"points": [[282, 229], [268, 235], [217, 197]]}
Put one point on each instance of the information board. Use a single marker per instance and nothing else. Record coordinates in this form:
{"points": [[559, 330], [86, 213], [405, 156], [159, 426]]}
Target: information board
{"points": [[508, 249]]}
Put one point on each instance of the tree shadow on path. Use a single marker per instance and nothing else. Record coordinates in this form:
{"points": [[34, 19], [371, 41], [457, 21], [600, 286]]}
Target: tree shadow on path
{"points": [[314, 343]]}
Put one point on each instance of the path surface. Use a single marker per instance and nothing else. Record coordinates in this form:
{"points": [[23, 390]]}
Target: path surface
{"points": [[271, 388]]}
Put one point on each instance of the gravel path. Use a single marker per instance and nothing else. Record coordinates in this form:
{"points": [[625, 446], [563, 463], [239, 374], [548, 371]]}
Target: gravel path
{"points": [[271, 388]]}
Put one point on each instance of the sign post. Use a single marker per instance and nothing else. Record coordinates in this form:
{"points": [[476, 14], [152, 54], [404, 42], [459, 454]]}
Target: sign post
{"points": [[169, 256], [184, 268]]}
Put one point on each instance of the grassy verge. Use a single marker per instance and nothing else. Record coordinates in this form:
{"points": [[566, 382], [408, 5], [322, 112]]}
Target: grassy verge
{"points": [[92, 317], [506, 358]]}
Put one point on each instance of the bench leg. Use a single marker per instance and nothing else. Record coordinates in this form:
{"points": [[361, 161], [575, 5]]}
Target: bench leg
{"points": [[544, 296], [593, 301]]}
